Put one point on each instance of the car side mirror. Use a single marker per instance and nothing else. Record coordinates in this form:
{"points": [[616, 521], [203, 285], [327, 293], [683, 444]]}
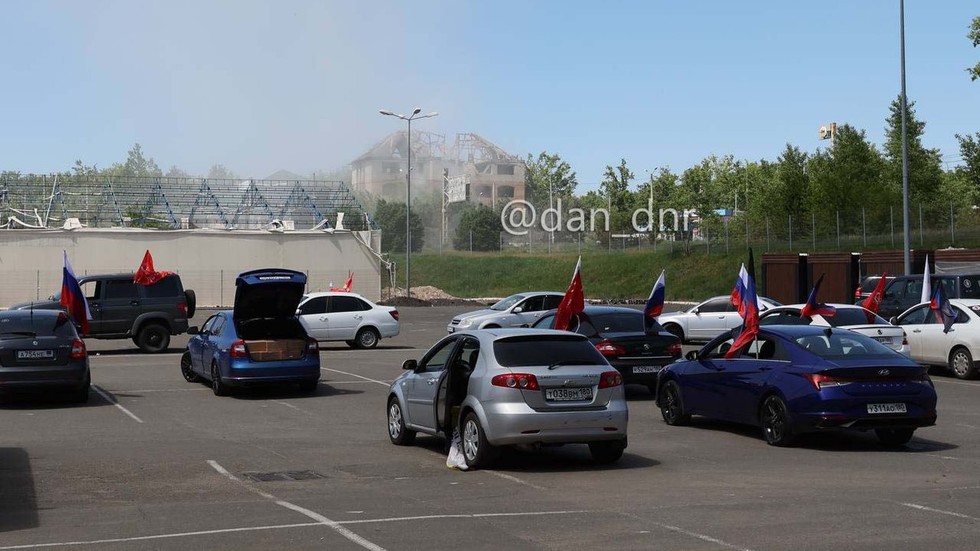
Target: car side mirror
{"points": [[410, 365], [893, 320], [692, 355], [518, 310], [193, 330], [697, 311]]}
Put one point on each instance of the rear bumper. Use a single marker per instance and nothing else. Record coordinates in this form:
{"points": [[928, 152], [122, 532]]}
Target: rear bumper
{"points": [[641, 371], [62, 377], [517, 423], [261, 373], [856, 417]]}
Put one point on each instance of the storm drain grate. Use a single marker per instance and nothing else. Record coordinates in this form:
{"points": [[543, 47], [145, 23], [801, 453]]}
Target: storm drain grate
{"points": [[283, 475]]}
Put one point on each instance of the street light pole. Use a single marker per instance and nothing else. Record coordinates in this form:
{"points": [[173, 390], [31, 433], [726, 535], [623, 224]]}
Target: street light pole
{"points": [[906, 232], [408, 193]]}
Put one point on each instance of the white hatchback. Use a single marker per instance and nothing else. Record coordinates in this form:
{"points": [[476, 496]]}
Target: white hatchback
{"points": [[347, 317]]}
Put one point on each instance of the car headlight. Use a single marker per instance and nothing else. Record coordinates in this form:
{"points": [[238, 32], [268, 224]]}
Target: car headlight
{"points": [[466, 323]]}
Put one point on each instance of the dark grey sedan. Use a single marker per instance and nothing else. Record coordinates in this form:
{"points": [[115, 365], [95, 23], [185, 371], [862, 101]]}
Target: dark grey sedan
{"points": [[40, 350]]}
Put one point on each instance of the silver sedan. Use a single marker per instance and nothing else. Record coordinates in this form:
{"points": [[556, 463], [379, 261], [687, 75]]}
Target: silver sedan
{"points": [[511, 386]]}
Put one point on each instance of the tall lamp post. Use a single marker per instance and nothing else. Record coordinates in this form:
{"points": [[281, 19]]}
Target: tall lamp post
{"points": [[906, 231], [408, 193]]}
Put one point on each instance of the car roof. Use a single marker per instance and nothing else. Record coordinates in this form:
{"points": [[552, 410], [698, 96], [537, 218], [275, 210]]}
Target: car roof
{"points": [[333, 294], [124, 275], [800, 306], [796, 331], [591, 310], [30, 312], [501, 333]]}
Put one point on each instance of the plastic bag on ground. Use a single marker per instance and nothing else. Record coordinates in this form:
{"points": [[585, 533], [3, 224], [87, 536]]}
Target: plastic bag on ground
{"points": [[456, 459]]}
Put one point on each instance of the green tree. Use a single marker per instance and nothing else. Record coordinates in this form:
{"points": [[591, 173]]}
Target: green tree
{"points": [[479, 229], [846, 179], [974, 36], [791, 186], [221, 172], [547, 177], [925, 165], [615, 189], [137, 164], [176, 172], [970, 152], [391, 219]]}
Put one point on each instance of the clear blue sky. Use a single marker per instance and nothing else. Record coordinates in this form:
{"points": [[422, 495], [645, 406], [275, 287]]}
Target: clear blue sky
{"points": [[262, 86]]}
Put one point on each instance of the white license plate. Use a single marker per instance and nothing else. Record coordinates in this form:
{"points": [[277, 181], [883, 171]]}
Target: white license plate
{"points": [[567, 394], [886, 340], [886, 408], [646, 368], [34, 354]]}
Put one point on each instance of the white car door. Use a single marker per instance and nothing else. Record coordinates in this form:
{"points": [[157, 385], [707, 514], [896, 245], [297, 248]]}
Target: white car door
{"points": [[530, 308], [313, 316], [914, 322], [346, 314], [710, 319]]}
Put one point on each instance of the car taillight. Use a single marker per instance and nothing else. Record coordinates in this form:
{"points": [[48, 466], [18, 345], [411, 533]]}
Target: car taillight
{"points": [[394, 314], [674, 349], [182, 306], [607, 348], [924, 379], [857, 292], [78, 349], [312, 347], [820, 381], [610, 379], [521, 381], [238, 350]]}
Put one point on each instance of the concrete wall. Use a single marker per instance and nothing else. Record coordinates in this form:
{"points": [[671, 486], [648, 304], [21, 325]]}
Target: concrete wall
{"points": [[207, 260]]}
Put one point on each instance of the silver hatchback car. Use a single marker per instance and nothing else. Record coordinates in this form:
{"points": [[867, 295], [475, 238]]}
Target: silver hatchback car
{"points": [[511, 386]]}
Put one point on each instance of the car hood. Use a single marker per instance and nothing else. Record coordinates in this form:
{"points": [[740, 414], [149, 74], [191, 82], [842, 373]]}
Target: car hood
{"points": [[268, 293], [479, 314]]}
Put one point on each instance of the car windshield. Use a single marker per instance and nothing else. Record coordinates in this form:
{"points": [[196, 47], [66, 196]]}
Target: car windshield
{"points": [[845, 346], [530, 350], [621, 322], [854, 316], [507, 302]]}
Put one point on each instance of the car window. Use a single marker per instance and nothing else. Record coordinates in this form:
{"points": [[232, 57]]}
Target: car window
{"points": [[716, 305], [764, 348], [344, 304], [468, 355], [969, 287], [915, 316], [845, 345], [854, 316], [506, 303], [165, 288], [546, 321], [316, 305], [552, 301], [436, 359], [717, 351], [895, 290], [583, 325], [619, 322], [120, 289], [91, 289], [544, 350], [533, 304], [788, 317], [41, 326], [913, 288], [218, 326], [209, 324]]}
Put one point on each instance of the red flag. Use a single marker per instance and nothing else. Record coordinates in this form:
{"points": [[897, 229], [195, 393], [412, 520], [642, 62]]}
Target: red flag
{"points": [[873, 302], [573, 303], [146, 275], [347, 286]]}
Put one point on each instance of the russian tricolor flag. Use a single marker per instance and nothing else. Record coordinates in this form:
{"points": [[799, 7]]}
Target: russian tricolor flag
{"points": [[72, 297], [655, 303], [812, 307], [745, 300], [944, 310]]}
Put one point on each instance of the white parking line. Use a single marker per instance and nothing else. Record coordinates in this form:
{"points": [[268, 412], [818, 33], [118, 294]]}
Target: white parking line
{"points": [[471, 515], [940, 511], [112, 400], [333, 525], [356, 375], [701, 537], [514, 479], [949, 381]]}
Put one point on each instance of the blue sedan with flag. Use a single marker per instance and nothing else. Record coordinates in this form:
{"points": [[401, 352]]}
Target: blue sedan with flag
{"points": [[790, 380]]}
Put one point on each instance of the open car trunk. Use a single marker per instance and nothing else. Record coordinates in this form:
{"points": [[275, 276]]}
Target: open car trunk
{"points": [[270, 339]]}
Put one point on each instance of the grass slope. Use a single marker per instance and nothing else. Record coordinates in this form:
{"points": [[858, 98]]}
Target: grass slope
{"points": [[608, 276]]}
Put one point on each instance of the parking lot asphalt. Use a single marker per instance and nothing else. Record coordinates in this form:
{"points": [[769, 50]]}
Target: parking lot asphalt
{"points": [[154, 462]]}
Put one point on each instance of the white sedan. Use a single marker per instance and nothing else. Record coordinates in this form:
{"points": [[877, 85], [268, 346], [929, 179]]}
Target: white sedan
{"points": [[347, 317], [956, 349], [708, 319], [848, 316]]}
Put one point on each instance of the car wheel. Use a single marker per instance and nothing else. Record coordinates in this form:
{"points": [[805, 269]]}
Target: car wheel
{"points": [[399, 435], [190, 299], [352, 344], [81, 395], [186, 370], [153, 338], [477, 452], [607, 451], [675, 330], [671, 407], [309, 387], [775, 422], [961, 364], [894, 437], [219, 388], [366, 338]]}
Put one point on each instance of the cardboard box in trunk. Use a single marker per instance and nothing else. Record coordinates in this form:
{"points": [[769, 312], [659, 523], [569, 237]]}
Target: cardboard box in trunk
{"points": [[278, 349]]}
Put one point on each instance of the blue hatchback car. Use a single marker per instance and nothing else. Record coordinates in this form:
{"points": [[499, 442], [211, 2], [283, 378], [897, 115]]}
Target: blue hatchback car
{"points": [[796, 379], [260, 342]]}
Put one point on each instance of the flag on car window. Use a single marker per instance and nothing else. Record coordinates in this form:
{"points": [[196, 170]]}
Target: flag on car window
{"points": [[812, 307], [72, 297], [945, 312], [655, 303], [873, 302], [573, 303], [747, 303], [146, 274], [347, 286]]}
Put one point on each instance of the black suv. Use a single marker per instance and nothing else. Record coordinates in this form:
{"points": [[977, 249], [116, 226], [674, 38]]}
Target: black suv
{"points": [[121, 309], [906, 291]]}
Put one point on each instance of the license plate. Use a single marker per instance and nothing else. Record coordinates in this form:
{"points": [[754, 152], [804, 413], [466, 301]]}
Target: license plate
{"points": [[451, 329], [567, 394], [34, 354], [885, 340], [646, 368], [886, 408]]}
